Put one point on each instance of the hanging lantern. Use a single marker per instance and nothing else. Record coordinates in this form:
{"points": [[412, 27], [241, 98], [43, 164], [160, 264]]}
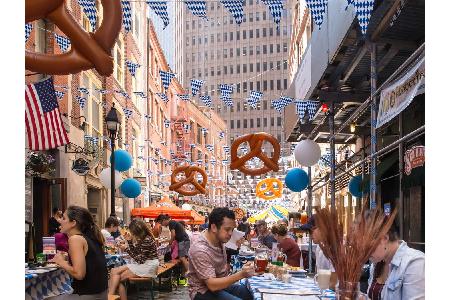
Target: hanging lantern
{"points": [[324, 108]]}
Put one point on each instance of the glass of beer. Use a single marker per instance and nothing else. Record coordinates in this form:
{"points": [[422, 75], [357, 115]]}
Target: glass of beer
{"points": [[304, 218], [261, 263], [322, 279]]}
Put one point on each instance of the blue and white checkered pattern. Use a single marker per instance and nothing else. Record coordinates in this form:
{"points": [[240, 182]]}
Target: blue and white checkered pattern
{"points": [[184, 97], [90, 11], [255, 97], [48, 284], [221, 135], [226, 149], [166, 78], [312, 108], [206, 99], [196, 84], [81, 101], [163, 97], [28, 29], [236, 8], [60, 94], [225, 162], [166, 123], [147, 116], [132, 67], [212, 161], [204, 131], [197, 8], [275, 8], [102, 91], [63, 42], [317, 8], [225, 94], [349, 2], [301, 107], [281, 103], [126, 15], [123, 93], [160, 9], [187, 128], [364, 10], [256, 282], [128, 112], [141, 94], [210, 147], [83, 90]]}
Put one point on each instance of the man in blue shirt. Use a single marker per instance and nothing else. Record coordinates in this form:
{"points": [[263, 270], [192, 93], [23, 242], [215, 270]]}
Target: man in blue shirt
{"points": [[205, 225]]}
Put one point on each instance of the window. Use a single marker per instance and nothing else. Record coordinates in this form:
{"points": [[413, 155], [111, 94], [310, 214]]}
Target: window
{"points": [[271, 84], [285, 30], [278, 121], [238, 52], [279, 65], [264, 49], [245, 123], [212, 38], [264, 30], [257, 33], [271, 47], [119, 61], [258, 51], [285, 64], [231, 52], [232, 124], [265, 104], [250, 32], [187, 25], [193, 24], [250, 17], [251, 85], [225, 53], [278, 84], [272, 121], [251, 50], [251, 68], [225, 36], [199, 40], [264, 15], [258, 85], [238, 87], [206, 55], [258, 122], [206, 72], [244, 87], [238, 107], [265, 85], [245, 106], [218, 37], [231, 70], [265, 66], [218, 70], [231, 36], [238, 35], [206, 40], [218, 54], [251, 123], [212, 71], [244, 34], [193, 58], [271, 65], [193, 41], [279, 137], [93, 108], [225, 69], [244, 68], [265, 122], [244, 51], [277, 30], [285, 83], [238, 124], [238, 69], [187, 41], [257, 16], [285, 47], [278, 48], [270, 31]]}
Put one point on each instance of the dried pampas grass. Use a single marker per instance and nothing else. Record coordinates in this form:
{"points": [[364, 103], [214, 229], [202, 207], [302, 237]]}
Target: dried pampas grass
{"points": [[349, 256]]}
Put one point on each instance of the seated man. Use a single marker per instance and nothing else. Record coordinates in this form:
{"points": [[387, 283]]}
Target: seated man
{"points": [[265, 237], [208, 266], [111, 226]]}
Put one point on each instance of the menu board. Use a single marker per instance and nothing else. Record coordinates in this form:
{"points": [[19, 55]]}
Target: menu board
{"points": [[48, 245], [28, 199]]}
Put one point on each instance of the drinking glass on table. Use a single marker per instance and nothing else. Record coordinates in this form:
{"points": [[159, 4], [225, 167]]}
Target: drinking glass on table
{"points": [[322, 279]]}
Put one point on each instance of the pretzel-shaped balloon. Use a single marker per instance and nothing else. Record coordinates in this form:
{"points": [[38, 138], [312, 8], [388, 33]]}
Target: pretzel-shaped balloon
{"points": [[88, 50], [239, 213], [270, 187], [190, 172], [255, 141]]}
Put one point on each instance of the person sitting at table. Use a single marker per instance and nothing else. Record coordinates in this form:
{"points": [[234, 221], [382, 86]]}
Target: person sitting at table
{"points": [[265, 237], [322, 262], [208, 267], [111, 225], [290, 234], [53, 222], [142, 248], [88, 263], [287, 245], [398, 271]]}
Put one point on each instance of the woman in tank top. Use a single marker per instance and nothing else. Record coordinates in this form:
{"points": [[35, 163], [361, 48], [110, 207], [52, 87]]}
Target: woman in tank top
{"points": [[88, 264]]}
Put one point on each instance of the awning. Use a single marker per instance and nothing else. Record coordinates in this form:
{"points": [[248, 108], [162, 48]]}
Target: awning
{"points": [[165, 206], [382, 168]]}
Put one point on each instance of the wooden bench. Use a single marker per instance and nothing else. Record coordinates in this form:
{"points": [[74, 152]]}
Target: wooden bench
{"points": [[113, 297]]}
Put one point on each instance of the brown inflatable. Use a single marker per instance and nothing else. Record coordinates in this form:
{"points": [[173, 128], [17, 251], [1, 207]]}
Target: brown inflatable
{"points": [[88, 50], [191, 177], [255, 141]]}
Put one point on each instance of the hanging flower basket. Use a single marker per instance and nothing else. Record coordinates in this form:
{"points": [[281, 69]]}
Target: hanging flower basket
{"points": [[39, 163]]}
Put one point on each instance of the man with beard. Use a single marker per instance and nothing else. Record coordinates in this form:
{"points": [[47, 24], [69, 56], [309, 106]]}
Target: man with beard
{"points": [[208, 268]]}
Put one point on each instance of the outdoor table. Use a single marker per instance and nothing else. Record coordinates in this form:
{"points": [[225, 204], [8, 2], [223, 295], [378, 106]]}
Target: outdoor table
{"points": [[47, 283], [305, 247], [114, 260], [259, 282], [163, 249]]}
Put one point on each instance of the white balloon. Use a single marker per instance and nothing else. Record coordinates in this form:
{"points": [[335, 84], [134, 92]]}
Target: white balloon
{"points": [[105, 178], [186, 206], [307, 153]]}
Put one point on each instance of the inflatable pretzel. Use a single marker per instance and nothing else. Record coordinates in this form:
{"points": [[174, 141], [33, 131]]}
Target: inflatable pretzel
{"points": [[88, 50], [191, 178], [256, 141], [276, 191]]}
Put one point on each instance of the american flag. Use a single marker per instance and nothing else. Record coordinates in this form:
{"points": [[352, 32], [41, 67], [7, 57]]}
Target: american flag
{"points": [[45, 129]]}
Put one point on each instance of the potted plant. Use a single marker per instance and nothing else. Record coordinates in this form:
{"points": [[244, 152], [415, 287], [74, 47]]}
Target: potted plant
{"points": [[39, 163]]}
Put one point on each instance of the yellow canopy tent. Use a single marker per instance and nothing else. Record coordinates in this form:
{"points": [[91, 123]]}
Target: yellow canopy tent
{"points": [[274, 212]]}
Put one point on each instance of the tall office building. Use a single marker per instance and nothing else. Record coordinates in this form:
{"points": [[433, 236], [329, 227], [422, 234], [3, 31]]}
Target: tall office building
{"points": [[165, 34], [251, 56]]}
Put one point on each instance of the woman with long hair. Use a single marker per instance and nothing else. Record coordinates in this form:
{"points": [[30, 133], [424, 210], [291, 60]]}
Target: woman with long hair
{"points": [[287, 245], [88, 264], [142, 248]]}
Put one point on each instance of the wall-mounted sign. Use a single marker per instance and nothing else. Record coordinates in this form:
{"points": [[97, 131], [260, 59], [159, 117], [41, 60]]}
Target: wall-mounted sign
{"points": [[400, 94], [387, 209], [80, 166], [414, 157]]}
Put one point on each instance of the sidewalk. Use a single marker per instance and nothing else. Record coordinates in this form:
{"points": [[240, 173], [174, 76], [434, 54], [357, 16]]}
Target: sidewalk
{"points": [[180, 294]]}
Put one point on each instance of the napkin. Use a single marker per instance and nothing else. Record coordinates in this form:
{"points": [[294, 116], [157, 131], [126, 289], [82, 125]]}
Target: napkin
{"points": [[236, 236]]}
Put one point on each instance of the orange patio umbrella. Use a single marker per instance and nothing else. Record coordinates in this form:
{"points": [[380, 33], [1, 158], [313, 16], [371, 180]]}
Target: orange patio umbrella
{"points": [[198, 218], [164, 206]]}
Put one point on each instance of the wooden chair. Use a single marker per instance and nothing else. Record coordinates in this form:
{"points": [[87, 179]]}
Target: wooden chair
{"points": [[141, 282]]}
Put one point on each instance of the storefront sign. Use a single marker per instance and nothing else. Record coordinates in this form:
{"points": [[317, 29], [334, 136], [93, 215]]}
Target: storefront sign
{"points": [[387, 209], [414, 157], [400, 94]]}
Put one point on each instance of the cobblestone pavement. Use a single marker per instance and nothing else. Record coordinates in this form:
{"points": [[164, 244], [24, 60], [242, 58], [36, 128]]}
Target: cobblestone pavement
{"points": [[177, 294]]}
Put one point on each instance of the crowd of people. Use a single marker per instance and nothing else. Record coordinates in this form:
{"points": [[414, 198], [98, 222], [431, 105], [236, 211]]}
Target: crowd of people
{"points": [[397, 271]]}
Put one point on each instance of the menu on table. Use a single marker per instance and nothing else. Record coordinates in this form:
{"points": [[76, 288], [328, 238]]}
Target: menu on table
{"points": [[48, 245]]}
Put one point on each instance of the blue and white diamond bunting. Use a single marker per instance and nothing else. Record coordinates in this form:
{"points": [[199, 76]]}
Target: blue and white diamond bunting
{"points": [[197, 7], [140, 94], [90, 11], [128, 112], [132, 67], [126, 15], [275, 9], [209, 147], [236, 8], [166, 123], [221, 135], [184, 97], [225, 94], [83, 90], [312, 108], [255, 97], [196, 84], [281, 103], [63, 42], [301, 107], [28, 29], [364, 10], [59, 94], [160, 9], [317, 8], [163, 97], [166, 78], [81, 101], [206, 99]]}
